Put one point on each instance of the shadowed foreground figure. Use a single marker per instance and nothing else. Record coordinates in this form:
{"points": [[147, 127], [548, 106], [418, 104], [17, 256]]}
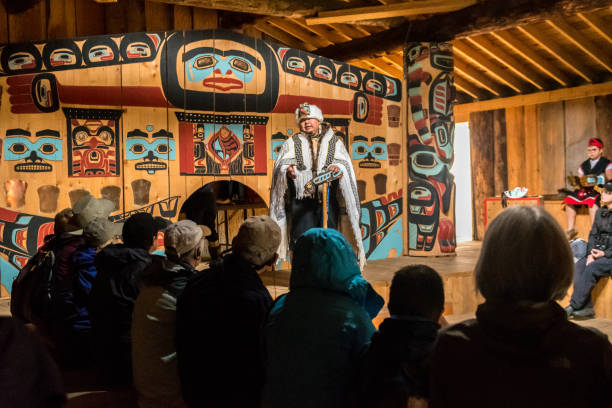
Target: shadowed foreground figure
{"points": [[315, 335], [395, 370], [521, 350]]}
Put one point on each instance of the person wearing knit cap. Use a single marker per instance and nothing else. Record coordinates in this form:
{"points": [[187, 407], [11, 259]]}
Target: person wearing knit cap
{"points": [[600, 170], [223, 368], [153, 326], [296, 203], [121, 268]]}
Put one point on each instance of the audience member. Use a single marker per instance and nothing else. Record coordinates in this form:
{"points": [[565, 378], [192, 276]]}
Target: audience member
{"points": [[598, 260], [201, 208], [65, 333], [29, 377], [153, 327], [395, 368], [521, 350], [114, 291], [314, 336], [219, 318]]}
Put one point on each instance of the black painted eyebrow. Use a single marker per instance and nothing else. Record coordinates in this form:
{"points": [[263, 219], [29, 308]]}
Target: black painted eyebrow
{"points": [[18, 132], [360, 138], [378, 139], [162, 133], [236, 53], [47, 132], [137, 133]]}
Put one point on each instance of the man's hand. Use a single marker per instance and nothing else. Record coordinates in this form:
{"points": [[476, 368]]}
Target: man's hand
{"points": [[590, 259], [291, 172], [596, 253], [333, 168]]}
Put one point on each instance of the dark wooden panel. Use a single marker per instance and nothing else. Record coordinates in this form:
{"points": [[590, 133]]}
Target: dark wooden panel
{"points": [[482, 153], [61, 19], [159, 16], [551, 131], [603, 124], [30, 25], [89, 18], [500, 165]]}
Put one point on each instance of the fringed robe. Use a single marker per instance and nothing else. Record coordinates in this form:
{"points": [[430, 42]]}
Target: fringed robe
{"points": [[296, 151]]}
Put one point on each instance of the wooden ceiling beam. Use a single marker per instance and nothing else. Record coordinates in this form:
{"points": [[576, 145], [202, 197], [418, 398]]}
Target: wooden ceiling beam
{"points": [[480, 18], [553, 48], [518, 67], [597, 24], [479, 59], [583, 91], [581, 41], [281, 36], [323, 31], [350, 31], [470, 88], [403, 9], [533, 57], [299, 32], [383, 68], [394, 61], [473, 75]]}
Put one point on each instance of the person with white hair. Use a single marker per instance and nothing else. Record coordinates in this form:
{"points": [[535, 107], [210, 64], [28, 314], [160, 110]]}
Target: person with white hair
{"points": [[296, 202]]}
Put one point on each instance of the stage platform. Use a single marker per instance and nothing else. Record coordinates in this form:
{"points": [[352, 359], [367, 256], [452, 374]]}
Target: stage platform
{"points": [[456, 271]]}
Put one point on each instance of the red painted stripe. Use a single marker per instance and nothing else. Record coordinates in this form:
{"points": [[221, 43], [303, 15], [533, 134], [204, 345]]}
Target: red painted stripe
{"points": [[8, 215], [150, 96], [30, 108], [261, 151], [289, 103], [186, 147]]}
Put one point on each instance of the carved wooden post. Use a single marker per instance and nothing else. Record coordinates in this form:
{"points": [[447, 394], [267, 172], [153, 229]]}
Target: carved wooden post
{"points": [[431, 129]]}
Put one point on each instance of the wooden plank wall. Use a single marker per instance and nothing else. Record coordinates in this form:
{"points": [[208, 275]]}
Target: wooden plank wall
{"points": [[544, 143], [52, 19]]}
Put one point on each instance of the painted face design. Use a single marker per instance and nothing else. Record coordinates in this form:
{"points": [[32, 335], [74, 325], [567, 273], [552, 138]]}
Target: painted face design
{"points": [[370, 152], [323, 70], [20, 61], [101, 53], [61, 57], [138, 50], [278, 139], [349, 79], [93, 149], [218, 70], [154, 151], [36, 153], [424, 209]]}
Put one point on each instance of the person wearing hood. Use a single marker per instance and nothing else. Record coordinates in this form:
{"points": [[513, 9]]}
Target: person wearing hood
{"points": [[315, 335], [120, 270], [521, 350], [224, 368], [297, 208], [154, 359], [395, 369]]}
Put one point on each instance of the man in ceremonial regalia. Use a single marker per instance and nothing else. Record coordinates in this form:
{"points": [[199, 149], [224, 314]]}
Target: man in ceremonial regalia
{"points": [[596, 170], [297, 205]]}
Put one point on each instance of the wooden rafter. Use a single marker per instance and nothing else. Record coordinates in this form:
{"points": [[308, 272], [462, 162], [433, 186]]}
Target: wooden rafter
{"points": [[484, 17], [533, 57], [583, 91], [322, 31], [349, 30], [394, 61], [479, 59], [404, 9], [575, 64], [581, 41], [470, 88], [299, 32], [282, 36], [383, 68], [473, 75], [597, 24], [517, 67]]}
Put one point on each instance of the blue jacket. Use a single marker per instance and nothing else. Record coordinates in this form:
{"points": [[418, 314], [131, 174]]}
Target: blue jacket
{"points": [[314, 336]]}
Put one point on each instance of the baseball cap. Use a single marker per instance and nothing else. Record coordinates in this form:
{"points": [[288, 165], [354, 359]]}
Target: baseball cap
{"points": [[257, 240], [100, 230], [140, 228], [183, 236]]}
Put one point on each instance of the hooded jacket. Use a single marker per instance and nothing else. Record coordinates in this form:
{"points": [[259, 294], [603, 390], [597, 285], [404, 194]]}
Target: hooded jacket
{"points": [[120, 271], [315, 335], [521, 355]]}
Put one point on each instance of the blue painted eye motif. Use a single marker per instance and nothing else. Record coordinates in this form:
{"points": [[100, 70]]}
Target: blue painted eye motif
{"points": [[47, 148]]}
